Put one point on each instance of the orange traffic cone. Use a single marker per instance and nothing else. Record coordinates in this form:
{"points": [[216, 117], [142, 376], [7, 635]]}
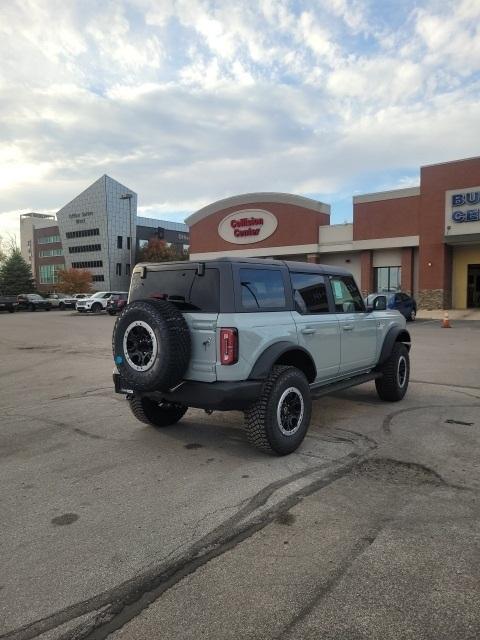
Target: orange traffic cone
{"points": [[446, 322]]}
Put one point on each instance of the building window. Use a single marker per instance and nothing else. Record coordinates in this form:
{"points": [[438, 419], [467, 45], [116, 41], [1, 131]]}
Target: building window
{"points": [[49, 253], [387, 278], [142, 244], [49, 239], [119, 269], [84, 248], [119, 242], [49, 273], [128, 243], [89, 264], [127, 269], [83, 233], [98, 278]]}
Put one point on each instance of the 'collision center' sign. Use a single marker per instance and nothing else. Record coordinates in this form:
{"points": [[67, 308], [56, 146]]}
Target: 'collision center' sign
{"points": [[247, 226]]}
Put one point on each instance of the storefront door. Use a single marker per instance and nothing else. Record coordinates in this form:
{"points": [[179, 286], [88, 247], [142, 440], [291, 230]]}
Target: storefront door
{"points": [[473, 286]]}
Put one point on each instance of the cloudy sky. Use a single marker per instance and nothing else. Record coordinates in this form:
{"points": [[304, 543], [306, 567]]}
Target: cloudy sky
{"points": [[189, 101]]}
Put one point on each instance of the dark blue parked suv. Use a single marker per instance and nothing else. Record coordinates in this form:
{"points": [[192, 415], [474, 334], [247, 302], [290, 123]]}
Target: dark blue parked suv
{"points": [[396, 300]]}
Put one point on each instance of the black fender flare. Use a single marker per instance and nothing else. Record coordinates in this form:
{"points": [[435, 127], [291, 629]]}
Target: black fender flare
{"points": [[262, 367], [395, 334]]}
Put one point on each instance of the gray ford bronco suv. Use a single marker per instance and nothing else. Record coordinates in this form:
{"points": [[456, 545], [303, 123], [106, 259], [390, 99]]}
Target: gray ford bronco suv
{"points": [[256, 335]]}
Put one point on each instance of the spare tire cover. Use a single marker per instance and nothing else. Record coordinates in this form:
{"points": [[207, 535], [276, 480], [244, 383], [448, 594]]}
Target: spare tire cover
{"points": [[151, 345]]}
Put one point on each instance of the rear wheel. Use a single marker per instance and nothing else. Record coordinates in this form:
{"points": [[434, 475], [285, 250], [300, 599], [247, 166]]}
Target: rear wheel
{"points": [[278, 421], [31, 307], [61, 306], [154, 413], [393, 384], [111, 313], [413, 315]]}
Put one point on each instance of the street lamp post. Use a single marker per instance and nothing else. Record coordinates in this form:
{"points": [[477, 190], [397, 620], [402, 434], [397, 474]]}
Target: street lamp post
{"points": [[129, 196]]}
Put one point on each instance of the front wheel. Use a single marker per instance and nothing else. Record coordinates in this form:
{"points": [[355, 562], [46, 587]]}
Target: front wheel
{"points": [[96, 308], [32, 307], [154, 413], [111, 313], [278, 422], [413, 315], [393, 384], [61, 306]]}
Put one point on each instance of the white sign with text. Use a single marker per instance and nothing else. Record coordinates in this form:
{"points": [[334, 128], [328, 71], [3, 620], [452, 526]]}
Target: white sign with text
{"points": [[247, 226]]}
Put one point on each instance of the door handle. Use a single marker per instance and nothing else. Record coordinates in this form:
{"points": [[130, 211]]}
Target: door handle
{"points": [[348, 327], [308, 330]]}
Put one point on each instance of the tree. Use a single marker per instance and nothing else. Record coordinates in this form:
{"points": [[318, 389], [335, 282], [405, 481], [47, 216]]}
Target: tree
{"points": [[158, 251], [74, 281], [16, 274]]}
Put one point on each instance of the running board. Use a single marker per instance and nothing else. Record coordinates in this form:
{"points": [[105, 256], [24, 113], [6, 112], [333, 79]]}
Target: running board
{"points": [[319, 390]]}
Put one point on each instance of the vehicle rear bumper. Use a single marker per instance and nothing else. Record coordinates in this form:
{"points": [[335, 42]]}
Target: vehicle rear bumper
{"points": [[218, 396]]}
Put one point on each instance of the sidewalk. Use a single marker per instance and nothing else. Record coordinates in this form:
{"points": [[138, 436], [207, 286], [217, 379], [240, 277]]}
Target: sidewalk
{"points": [[453, 314]]}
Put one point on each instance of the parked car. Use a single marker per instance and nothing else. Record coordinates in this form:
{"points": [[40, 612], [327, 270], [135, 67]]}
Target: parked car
{"points": [[62, 301], [32, 302], [97, 302], [79, 296], [254, 335], [8, 303], [116, 303], [396, 300]]}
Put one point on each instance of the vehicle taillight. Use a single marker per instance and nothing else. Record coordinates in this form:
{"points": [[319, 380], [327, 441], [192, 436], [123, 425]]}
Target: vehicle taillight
{"points": [[228, 346]]}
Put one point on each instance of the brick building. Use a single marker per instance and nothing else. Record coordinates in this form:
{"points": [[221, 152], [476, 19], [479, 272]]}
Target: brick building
{"points": [[423, 240]]}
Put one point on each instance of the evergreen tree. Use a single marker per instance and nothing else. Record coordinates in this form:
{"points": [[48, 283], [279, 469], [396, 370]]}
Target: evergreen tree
{"points": [[16, 275]]}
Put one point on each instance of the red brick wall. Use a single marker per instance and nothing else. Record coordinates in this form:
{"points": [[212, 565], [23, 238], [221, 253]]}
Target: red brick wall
{"points": [[407, 270], [296, 225], [434, 181], [386, 218], [366, 266], [42, 233]]}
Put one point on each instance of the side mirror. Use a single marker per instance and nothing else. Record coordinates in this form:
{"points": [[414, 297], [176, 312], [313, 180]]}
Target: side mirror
{"points": [[380, 303]]}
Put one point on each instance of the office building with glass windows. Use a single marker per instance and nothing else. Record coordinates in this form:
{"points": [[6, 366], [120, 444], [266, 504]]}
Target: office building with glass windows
{"points": [[99, 230]]}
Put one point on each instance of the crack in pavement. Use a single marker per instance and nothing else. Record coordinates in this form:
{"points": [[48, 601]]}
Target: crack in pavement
{"points": [[128, 599], [387, 421]]}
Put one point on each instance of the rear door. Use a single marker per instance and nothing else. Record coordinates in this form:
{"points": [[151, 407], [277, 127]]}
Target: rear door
{"points": [[358, 329], [196, 295], [318, 328]]}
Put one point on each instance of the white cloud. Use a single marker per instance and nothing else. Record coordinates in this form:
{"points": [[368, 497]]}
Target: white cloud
{"points": [[187, 101]]}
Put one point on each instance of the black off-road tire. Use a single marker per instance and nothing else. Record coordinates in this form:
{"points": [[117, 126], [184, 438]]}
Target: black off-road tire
{"points": [[262, 425], [393, 384], [158, 415], [169, 359]]}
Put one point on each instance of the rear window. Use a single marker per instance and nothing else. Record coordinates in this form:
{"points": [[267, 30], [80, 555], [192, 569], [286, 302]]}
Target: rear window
{"points": [[262, 289], [184, 288]]}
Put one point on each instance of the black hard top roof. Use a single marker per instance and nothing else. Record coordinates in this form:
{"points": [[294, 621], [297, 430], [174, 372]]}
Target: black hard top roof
{"points": [[304, 267]]}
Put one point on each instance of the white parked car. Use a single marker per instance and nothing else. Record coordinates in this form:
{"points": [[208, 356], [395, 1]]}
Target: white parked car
{"points": [[95, 303]]}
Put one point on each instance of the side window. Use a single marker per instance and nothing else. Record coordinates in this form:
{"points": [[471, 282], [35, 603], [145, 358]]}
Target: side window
{"points": [[262, 289], [310, 293], [346, 295]]}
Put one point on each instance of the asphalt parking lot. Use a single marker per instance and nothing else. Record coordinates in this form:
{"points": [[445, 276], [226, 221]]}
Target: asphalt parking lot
{"points": [[112, 529]]}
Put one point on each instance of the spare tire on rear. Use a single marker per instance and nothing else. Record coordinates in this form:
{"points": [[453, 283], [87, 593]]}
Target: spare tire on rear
{"points": [[151, 345]]}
